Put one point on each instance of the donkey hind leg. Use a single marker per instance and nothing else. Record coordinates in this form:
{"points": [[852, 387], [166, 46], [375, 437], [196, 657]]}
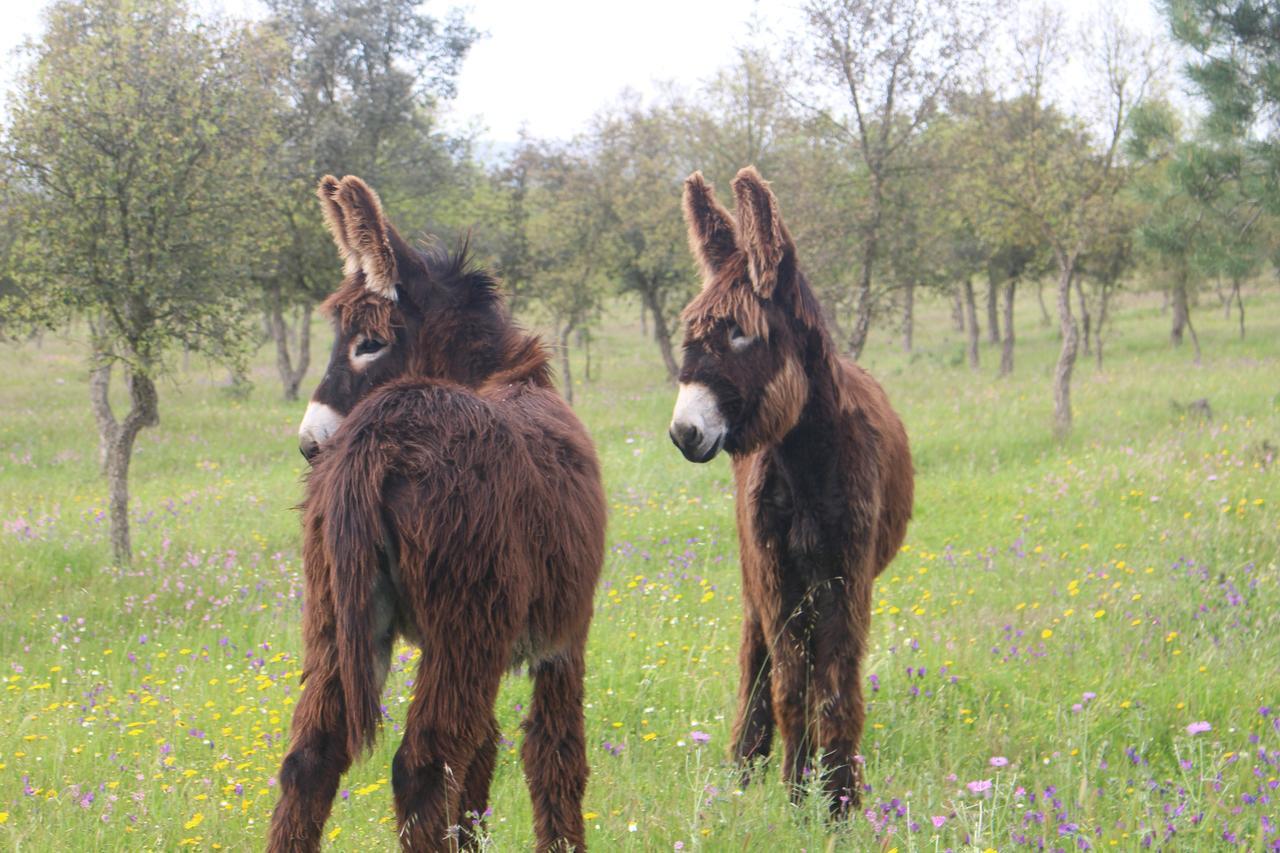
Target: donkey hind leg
{"points": [[790, 687], [318, 753], [555, 753], [475, 791], [448, 725], [753, 728], [839, 645]]}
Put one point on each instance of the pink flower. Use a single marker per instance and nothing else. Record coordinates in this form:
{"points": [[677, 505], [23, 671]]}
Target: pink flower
{"points": [[938, 821], [979, 786], [999, 761], [1197, 728]]}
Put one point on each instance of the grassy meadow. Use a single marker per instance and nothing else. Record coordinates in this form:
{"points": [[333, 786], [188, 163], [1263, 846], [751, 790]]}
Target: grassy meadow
{"points": [[1078, 647]]}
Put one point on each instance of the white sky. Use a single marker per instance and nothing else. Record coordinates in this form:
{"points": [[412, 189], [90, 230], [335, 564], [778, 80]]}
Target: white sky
{"points": [[549, 65]]}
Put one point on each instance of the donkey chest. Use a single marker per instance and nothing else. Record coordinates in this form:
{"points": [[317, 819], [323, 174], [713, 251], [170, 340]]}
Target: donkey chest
{"points": [[796, 517]]}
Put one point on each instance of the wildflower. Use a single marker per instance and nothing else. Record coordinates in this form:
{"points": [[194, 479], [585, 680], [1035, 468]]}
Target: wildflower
{"points": [[979, 786], [1197, 728], [938, 821], [700, 737], [999, 761]]}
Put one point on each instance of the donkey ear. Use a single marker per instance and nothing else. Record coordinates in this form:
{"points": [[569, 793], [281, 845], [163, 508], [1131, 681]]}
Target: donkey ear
{"points": [[327, 192], [367, 236], [711, 231], [760, 230]]}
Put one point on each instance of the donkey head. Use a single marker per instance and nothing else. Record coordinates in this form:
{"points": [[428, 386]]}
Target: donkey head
{"points": [[398, 311], [751, 330]]}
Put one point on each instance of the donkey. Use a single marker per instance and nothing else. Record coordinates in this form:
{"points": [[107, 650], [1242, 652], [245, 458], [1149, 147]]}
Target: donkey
{"points": [[454, 500], [823, 480]]}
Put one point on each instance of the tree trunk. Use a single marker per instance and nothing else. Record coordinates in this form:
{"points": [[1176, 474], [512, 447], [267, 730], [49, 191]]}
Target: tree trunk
{"points": [[908, 315], [143, 412], [957, 310], [864, 302], [971, 315], [1067, 355], [1085, 319], [1045, 319], [290, 376], [660, 334], [993, 309], [584, 340], [1006, 349], [567, 384], [1181, 310], [861, 322], [1195, 339], [100, 401], [1235, 289], [1104, 301]]}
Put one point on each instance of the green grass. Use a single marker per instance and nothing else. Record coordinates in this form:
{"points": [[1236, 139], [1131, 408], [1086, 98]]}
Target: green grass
{"points": [[1135, 564]]}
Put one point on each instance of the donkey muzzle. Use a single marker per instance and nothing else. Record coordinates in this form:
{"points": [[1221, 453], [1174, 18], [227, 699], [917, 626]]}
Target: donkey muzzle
{"points": [[318, 424], [697, 427]]}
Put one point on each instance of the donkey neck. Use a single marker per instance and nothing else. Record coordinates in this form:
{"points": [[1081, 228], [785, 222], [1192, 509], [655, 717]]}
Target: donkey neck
{"points": [[807, 449]]}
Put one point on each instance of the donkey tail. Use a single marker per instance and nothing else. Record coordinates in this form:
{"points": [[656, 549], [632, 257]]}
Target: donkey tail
{"points": [[353, 536]]}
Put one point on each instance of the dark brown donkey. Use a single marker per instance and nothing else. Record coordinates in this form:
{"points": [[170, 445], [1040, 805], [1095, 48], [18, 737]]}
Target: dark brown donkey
{"points": [[455, 501], [823, 475]]}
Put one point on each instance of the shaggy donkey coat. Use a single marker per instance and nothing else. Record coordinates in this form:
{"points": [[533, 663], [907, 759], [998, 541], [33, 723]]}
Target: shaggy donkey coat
{"points": [[455, 501], [823, 477]]}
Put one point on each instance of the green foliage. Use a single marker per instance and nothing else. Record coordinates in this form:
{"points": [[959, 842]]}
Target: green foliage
{"points": [[1236, 68], [640, 170], [136, 144], [360, 97]]}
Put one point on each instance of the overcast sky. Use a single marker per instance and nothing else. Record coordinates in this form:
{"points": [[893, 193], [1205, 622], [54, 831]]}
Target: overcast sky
{"points": [[549, 65]]}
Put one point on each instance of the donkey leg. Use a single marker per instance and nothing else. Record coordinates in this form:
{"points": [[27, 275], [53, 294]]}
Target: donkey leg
{"points": [[447, 725], [753, 728], [839, 646], [475, 792], [790, 687], [555, 752], [317, 758]]}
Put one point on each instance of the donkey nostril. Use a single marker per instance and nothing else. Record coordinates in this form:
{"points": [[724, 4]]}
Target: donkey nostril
{"points": [[309, 447], [685, 436]]}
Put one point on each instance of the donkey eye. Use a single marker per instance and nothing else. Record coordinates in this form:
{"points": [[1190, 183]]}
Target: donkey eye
{"points": [[739, 340], [369, 346]]}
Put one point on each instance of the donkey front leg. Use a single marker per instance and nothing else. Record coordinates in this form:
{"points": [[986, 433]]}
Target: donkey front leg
{"points": [[753, 728], [790, 683], [448, 725], [555, 752], [840, 641]]}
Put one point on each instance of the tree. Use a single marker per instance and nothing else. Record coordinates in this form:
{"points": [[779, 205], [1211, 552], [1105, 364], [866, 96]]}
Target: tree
{"points": [[364, 77], [560, 272], [1065, 173], [893, 62], [1236, 46], [136, 143], [638, 179]]}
